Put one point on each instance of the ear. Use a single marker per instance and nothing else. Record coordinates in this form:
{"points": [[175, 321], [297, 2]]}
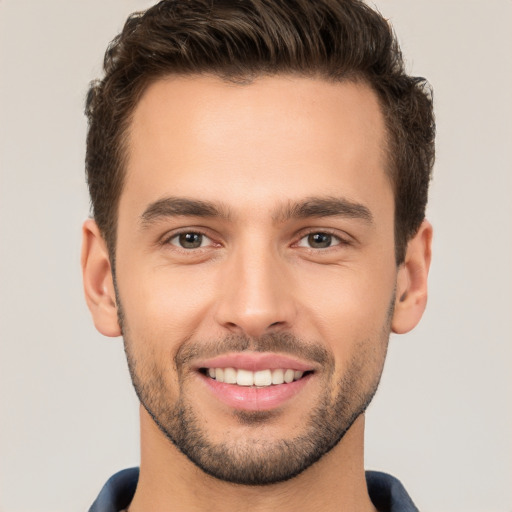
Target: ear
{"points": [[97, 280], [411, 288]]}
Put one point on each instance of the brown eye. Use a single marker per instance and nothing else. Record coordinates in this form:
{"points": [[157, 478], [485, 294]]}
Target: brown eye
{"points": [[319, 240], [189, 240]]}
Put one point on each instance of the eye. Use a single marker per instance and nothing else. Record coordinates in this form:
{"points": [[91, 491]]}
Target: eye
{"points": [[319, 240], [190, 240]]}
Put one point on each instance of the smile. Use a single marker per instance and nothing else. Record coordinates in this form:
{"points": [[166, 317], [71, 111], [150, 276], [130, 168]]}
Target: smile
{"points": [[255, 381], [260, 378]]}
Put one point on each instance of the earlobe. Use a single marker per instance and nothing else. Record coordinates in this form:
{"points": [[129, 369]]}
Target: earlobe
{"points": [[411, 288], [97, 280]]}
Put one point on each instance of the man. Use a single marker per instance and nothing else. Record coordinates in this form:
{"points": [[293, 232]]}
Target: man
{"points": [[258, 172]]}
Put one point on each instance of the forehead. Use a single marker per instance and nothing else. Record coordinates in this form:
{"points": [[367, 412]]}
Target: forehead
{"points": [[277, 137]]}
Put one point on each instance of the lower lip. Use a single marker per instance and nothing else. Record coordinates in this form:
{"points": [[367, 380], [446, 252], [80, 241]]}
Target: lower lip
{"points": [[249, 398]]}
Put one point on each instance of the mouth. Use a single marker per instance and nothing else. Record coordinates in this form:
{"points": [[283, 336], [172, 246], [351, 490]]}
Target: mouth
{"points": [[255, 381]]}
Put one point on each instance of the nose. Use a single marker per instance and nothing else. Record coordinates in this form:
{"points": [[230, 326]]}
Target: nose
{"points": [[256, 294]]}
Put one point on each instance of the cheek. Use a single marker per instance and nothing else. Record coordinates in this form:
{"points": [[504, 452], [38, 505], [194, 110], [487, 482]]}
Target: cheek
{"points": [[163, 304], [348, 306]]}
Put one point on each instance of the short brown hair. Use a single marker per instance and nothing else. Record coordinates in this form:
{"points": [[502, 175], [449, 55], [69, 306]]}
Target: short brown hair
{"points": [[239, 40]]}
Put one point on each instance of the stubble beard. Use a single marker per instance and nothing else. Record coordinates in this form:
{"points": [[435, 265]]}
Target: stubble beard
{"points": [[250, 460]]}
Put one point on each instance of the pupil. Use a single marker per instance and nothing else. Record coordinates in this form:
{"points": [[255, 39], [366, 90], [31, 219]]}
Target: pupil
{"points": [[191, 240], [320, 240]]}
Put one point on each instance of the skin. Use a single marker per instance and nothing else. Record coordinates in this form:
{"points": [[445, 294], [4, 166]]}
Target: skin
{"points": [[252, 151]]}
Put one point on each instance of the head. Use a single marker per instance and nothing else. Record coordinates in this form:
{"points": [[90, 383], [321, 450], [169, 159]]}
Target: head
{"points": [[338, 41], [258, 172]]}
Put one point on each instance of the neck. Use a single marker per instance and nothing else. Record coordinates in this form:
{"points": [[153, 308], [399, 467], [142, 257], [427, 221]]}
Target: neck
{"points": [[169, 481]]}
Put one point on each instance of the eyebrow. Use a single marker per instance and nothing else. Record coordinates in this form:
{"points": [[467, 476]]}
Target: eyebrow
{"points": [[310, 207], [178, 206], [324, 207]]}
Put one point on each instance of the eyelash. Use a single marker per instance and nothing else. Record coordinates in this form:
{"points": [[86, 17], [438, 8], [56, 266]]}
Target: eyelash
{"points": [[167, 239], [341, 241]]}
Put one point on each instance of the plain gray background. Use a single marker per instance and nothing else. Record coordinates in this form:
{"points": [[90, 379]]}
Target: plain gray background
{"points": [[442, 419]]}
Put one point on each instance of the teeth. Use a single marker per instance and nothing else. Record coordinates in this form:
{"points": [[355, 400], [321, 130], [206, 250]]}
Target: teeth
{"points": [[229, 375], [278, 377], [243, 377], [262, 378], [288, 376]]}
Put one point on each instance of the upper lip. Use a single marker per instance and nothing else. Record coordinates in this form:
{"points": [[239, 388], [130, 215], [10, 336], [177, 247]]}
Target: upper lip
{"points": [[255, 361]]}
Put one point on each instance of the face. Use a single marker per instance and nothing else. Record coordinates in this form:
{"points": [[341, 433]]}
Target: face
{"points": [[255, 267]]}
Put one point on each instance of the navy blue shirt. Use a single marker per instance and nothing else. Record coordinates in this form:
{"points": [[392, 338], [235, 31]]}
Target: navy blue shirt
{"points": [[386, 492]]}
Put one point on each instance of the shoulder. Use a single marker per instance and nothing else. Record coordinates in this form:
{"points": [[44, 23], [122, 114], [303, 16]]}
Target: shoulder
{"points": [[388, 494], [118, 492]]}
